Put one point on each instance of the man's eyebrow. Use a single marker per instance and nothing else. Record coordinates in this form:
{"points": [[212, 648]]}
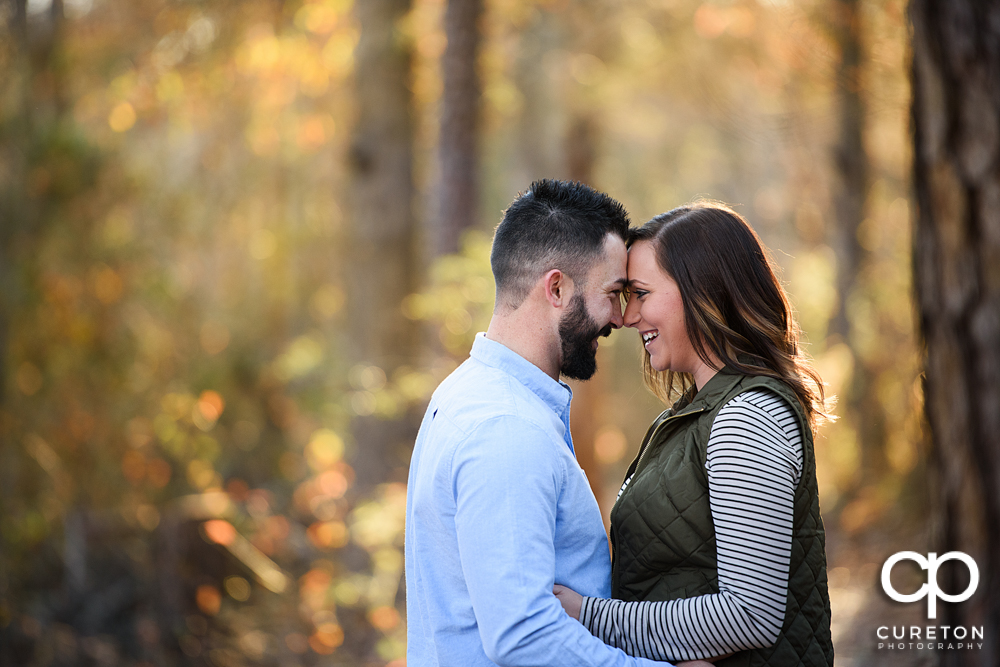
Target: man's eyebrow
{"points": [[621, 283]]}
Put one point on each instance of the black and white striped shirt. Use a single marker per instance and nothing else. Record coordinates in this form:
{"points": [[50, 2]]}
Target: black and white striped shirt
{"points": [[754, 462]]}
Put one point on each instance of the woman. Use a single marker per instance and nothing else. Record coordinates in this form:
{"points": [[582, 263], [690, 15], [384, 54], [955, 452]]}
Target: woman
{"points": [[717, 536]]}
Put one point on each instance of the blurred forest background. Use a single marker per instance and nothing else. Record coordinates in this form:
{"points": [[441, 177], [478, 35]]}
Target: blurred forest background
{"points": [[243, 240]]}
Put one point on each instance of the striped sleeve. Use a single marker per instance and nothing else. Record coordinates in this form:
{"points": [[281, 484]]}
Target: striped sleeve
{"points": [[754, 462]]}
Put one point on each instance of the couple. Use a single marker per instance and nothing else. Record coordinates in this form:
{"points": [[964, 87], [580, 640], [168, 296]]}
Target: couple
{"points": [[717, 538]]}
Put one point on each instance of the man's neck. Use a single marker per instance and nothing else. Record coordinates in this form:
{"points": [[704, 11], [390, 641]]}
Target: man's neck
{"points": [[525, 334]]}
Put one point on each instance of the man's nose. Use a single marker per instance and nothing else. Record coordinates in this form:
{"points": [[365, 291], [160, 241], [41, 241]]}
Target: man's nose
{"points": [[616, 316]]}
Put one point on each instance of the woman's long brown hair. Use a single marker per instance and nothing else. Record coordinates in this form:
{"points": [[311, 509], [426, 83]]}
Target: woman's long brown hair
{"points": [[734, 304]]}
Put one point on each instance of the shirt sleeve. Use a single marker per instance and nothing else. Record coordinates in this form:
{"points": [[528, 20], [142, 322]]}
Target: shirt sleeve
{"points": [[754, 463], [507, 482]]}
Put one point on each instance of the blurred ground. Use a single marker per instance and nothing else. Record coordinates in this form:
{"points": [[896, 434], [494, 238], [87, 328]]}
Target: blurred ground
{"points": [[860, 606]]}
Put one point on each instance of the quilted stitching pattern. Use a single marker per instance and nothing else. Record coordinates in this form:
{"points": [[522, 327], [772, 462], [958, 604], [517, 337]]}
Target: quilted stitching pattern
{"points": [[664, 539]]}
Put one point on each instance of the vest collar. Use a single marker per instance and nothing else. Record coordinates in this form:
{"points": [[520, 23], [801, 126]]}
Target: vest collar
{"points": [[717, 388]]}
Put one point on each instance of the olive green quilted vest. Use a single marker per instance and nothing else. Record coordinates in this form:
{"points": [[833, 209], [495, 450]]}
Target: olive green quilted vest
{"points": [[663, 538]]}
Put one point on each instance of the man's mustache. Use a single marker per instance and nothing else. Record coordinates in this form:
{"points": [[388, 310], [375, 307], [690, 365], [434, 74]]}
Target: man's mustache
{"points": [[605, 332]]}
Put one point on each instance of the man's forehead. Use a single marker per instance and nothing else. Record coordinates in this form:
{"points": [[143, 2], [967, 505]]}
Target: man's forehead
{"points": [[611, 276], [619, 283], [614, 262]]}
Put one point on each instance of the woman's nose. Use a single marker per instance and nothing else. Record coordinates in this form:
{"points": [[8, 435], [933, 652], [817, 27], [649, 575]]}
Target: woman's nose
{"points": [[631, 317]]}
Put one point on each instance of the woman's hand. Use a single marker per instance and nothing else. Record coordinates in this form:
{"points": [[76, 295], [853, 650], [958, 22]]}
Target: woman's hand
{"points": [[569, 599]]}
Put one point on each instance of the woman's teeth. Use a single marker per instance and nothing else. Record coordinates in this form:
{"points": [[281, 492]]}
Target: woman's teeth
{"points": [[646, 337]]}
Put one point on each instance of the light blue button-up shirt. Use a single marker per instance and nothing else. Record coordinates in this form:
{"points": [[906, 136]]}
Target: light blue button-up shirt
{"points": [[497, 510]]}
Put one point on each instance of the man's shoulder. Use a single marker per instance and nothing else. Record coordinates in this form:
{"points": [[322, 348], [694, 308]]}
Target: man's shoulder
{"points": [[476, 394]]}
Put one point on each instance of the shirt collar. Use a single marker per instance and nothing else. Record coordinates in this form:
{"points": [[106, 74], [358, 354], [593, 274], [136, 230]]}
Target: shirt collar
{"points": [[554, 393]]}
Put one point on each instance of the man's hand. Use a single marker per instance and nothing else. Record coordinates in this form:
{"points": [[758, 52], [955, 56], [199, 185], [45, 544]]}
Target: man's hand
{"points": [[569, 599]]}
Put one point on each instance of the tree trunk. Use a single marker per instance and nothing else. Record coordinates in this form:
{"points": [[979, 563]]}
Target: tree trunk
{"points": [[13, 158], [381, 267], [537, 155], [852, 182], [458, 142], [852, 168], [588, 397], [382, 270], [956, 123]]}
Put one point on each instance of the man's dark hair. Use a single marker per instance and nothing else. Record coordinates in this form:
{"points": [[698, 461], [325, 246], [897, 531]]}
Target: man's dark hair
{"points": [[553, 225]]}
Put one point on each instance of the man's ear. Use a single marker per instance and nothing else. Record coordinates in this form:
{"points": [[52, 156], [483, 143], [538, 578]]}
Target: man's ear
{"points": [[558, 288]]}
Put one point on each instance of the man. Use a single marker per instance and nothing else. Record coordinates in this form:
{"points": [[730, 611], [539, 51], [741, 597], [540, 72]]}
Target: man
{"points": [[498, 509]]}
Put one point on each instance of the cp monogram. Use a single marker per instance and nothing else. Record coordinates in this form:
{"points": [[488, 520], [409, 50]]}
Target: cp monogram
{"points": [[930, 589]]}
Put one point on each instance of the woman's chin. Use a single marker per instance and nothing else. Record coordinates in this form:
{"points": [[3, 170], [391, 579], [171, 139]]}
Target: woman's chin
{"points": [[658, 367]]}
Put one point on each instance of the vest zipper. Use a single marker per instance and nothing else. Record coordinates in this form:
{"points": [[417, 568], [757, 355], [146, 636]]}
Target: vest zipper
{"points": [[642, 454], [652, 435]]}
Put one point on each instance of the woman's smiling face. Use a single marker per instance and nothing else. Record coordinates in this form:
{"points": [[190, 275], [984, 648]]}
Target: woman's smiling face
{"points": [[655, 309]]}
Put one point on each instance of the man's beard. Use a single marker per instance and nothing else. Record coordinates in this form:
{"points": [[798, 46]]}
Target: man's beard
{"points": [[577, 331]]}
